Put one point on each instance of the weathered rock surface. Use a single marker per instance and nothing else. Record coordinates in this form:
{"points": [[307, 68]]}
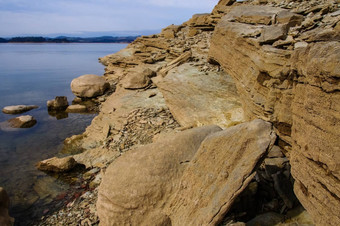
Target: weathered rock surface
{"points": [[138, 78], [60, 103], [57, 164], [88, 86], [5, 219], [140, 182], [76, 108], [221, 169], [17, 109], [24, 121], [197, 98], [295, 85]]}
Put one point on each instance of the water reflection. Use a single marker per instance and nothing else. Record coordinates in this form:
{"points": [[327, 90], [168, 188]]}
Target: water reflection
{"points": [[58, 114]]}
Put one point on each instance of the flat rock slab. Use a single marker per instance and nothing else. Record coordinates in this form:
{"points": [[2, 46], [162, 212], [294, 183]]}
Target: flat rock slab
{"points": [[76, 108], [17, 109], [196, 98], [24, 121], [137, 184], [221, 169]]}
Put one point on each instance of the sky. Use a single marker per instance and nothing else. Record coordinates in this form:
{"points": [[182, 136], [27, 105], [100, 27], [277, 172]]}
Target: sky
{"points": [[94, 17]]}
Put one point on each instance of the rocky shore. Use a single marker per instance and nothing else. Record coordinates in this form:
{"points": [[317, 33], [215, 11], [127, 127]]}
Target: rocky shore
{"points": [[231, 118]]}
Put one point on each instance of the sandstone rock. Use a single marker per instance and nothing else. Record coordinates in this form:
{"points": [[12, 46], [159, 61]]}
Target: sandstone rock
{"points": [[273, 33], [140, 182], [58, 104], [136, 81], [5, 219], [297, 90], [221, 169], [17, 109], [88, 86], [76, 108], [178, 61], [24, 121], [197, 98], [57, 164], [266, 219], [289, 18]]}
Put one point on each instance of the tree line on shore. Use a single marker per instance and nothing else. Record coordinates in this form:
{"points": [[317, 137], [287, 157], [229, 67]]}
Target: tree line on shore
{"points": [[63, 39]]}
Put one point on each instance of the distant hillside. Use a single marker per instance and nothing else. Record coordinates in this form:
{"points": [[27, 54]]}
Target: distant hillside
{"points": [[64, 39]]}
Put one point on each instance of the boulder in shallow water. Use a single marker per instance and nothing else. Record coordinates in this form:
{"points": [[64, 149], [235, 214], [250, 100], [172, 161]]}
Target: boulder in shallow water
{"points": [[88, 86], [59, 103], [24, 121], [57, 164], [17, 109], [5, 219]]}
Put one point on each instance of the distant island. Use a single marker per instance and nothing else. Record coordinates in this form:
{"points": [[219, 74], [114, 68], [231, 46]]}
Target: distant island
{"points": [[64, 39]]}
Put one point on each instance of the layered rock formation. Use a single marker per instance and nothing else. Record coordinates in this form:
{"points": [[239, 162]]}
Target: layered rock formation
{"points": [[286, 67], [274, 60]]}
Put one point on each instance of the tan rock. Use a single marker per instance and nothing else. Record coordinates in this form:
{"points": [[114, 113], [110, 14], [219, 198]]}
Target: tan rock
{"points": [[196, 98], [140, 182], [273, 33], [17, 109], [221, 169], [24, 121], [176, 62], [59, 103], [76, 108], [136, 81], [89, 86], [57, 164]]}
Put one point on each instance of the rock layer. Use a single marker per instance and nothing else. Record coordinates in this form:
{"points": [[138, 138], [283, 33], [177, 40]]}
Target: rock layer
{"points": [[297, 89]]}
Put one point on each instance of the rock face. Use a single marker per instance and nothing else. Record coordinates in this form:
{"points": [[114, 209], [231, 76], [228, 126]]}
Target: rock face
{"points": [[221, 169], [58, 104], [296, 87], [17, 109], [196, 98], [5, 219], [141, 181], [88, 86], [57, 164], [25, 121]]}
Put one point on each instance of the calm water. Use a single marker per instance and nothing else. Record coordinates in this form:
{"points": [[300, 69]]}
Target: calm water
{"points": [[32, 74]]}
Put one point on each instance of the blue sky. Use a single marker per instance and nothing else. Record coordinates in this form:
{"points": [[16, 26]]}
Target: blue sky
{"points": [[78, 17]]}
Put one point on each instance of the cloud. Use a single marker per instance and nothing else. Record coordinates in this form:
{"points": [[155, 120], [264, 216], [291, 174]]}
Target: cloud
{"points": [[65, 16]]}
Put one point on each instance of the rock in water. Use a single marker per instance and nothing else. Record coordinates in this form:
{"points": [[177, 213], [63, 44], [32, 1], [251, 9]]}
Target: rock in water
{"points": [[17, 109], [57, 164], [141, 180], [76, 108], [221, 169], [88, 86], [59, 103], [5, 219], [25, 121]]}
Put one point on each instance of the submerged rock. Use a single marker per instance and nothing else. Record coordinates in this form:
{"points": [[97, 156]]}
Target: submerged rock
{"points": [[17, 109], [88, 86], [57, 164], [5, 219], [58, 104], [24, 121]]}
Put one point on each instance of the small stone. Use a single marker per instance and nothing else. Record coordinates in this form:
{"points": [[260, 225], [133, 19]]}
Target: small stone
{"points": [[59, 103], [76, 108], [57, 164]]}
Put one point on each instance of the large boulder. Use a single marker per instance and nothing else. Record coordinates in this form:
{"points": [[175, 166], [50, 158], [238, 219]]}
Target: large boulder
{"points": [[88, 86], [221, 169], [140, 182], [17, 109], [5, 219]]}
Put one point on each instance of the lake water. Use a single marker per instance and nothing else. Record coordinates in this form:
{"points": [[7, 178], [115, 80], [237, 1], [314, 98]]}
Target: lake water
{"points": [[32, 74]]}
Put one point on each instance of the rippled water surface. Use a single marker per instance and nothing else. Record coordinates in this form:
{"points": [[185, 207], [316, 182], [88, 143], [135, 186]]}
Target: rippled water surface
{"points": [[32, 74]]}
